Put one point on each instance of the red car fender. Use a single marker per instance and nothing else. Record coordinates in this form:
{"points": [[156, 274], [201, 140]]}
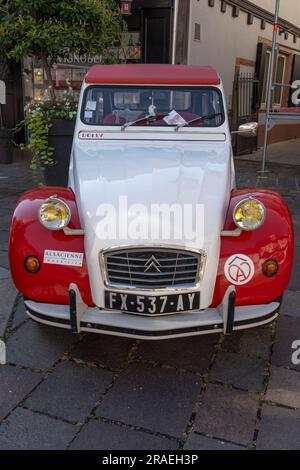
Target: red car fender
{"points": [[274, 239], [28, 237]]}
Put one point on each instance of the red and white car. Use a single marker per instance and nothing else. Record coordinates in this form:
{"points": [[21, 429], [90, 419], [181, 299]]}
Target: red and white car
{"points": [[151, 135]]}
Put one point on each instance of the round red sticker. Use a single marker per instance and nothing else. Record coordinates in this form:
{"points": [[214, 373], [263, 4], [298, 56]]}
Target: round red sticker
{"points": [[239, 269]]}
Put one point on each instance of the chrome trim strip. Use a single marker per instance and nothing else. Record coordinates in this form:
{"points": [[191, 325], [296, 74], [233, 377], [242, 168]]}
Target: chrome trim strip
{"points": [[73, 231], [231, 233]]}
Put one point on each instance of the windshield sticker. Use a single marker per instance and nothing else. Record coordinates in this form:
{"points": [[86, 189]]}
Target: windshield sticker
{"points": [[66, 258], [88, 114], [174, 118], [91, 105], [239, 269]]}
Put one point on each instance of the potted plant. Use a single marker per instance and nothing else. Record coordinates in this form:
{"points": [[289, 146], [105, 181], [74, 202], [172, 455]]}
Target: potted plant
{"points": [[50, 131], [6, 135], [49, 31]]}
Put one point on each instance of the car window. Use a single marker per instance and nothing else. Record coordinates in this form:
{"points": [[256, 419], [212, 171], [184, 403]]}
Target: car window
{"points": [[115, 106]]}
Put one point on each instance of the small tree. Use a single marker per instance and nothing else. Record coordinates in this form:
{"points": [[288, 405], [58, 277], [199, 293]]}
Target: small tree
{"points": [[53, 29]]}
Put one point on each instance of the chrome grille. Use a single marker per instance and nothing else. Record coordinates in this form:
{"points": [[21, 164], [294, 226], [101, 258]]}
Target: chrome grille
{"points": [[152, 268]]}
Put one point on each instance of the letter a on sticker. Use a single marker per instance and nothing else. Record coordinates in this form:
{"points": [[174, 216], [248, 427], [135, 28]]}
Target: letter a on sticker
{"points": [[239, 269]]}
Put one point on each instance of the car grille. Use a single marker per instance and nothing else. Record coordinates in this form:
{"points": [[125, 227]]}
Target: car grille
{"points": [[152, 268]]}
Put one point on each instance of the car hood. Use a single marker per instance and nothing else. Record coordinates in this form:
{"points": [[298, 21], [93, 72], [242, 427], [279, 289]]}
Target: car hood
{"points": [[147, 173]]}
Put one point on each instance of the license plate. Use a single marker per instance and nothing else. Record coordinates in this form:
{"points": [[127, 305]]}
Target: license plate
{"points": [[152, 305]]}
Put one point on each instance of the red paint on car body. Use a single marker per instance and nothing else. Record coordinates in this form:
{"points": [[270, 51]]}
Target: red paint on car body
{"points": [[29, 237], [274, 239]]}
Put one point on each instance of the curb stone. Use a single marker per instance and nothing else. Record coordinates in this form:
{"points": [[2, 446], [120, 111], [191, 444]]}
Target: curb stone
{"points": [[8, 295]]}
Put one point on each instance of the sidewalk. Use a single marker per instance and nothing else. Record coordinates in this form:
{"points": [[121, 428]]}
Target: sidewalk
{"points": [[62, 391], [287, 152]]}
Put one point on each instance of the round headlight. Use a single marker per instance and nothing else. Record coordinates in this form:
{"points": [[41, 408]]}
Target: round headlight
{"points": [[249, 214], [54, 214]]}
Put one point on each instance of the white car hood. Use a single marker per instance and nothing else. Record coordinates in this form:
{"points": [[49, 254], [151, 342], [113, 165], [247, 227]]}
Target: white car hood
{"points": [[152, 172]]}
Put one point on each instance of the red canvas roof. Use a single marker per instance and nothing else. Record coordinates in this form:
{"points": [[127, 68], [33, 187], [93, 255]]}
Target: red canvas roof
{"points": [[152, 74]]}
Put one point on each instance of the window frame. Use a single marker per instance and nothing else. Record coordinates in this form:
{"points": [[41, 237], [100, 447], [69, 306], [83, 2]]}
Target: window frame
{"points": [[280, 55], [265, 85], [160, 87]]}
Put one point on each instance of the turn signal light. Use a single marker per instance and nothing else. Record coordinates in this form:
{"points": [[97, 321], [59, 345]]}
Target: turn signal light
{"points": [[32, 264], [270, 267]]}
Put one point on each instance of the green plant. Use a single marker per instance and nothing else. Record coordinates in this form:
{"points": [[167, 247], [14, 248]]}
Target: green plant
{"points": [[39, 118], [51, 30]]}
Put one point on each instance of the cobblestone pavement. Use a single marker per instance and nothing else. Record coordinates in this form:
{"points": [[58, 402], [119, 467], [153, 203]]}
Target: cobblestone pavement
{"points": [[60, 391]]}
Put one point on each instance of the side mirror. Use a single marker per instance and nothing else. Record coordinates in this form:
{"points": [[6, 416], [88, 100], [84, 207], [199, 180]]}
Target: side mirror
{"points": [[249, 129]]}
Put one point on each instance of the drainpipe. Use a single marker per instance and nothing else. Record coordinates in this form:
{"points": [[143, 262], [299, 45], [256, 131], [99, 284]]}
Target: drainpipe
{"points": [[175, 18]]}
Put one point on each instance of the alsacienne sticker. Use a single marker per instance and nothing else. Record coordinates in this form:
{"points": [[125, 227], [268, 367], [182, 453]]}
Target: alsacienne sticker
{"points": [[66, 258], [239, 269]]}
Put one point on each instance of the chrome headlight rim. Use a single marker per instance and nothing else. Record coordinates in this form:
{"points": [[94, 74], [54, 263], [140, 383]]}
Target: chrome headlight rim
{"points": [[55, 200], [241, 202]]}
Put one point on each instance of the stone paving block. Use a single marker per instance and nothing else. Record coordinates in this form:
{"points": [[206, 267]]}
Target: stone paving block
{"points": [[288, 330], [9, 203], [279, 429], [38, 346], [254, 342], [4, 235], [198, 442], [296, 223], [70, 392], [4, 274], [5, 220], [291, 303], [158, 399], [25, 430], [8, 294], [241, 371], [20, 314], [4, 262], [294, 205], [15, 384], [105, 350], [227, 414], [194, 353], [295, 277], [284, 387], [97, 435]]}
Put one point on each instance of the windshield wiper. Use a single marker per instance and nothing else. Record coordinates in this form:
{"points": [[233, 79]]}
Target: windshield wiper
{"points": [[147, 118], [203, 118]]}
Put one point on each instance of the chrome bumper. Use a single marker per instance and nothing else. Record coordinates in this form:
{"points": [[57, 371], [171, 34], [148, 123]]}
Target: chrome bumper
{"points": [[225, 318]]}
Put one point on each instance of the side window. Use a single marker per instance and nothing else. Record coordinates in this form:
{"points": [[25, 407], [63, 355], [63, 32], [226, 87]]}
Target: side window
{"points": [[94, 107]]}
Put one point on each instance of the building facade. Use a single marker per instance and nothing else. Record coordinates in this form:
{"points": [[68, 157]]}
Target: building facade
{"points": [[234, 36]]}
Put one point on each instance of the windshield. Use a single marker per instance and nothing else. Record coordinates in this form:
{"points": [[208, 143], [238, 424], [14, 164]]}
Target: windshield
{"points": [[152, 106]]}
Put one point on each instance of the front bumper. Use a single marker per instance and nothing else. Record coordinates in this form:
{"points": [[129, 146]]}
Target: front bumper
{"points": [[225, 318]]}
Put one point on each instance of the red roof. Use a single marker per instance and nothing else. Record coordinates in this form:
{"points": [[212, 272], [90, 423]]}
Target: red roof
{"points": [[152, 74]]}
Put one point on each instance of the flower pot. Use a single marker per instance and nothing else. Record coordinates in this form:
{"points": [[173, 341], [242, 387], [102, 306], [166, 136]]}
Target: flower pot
{"points": [[6, 146], [60, 138]]}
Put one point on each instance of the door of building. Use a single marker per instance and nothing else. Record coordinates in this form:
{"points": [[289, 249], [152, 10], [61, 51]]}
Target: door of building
{"points": [[157, 35], [12, 111]]}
